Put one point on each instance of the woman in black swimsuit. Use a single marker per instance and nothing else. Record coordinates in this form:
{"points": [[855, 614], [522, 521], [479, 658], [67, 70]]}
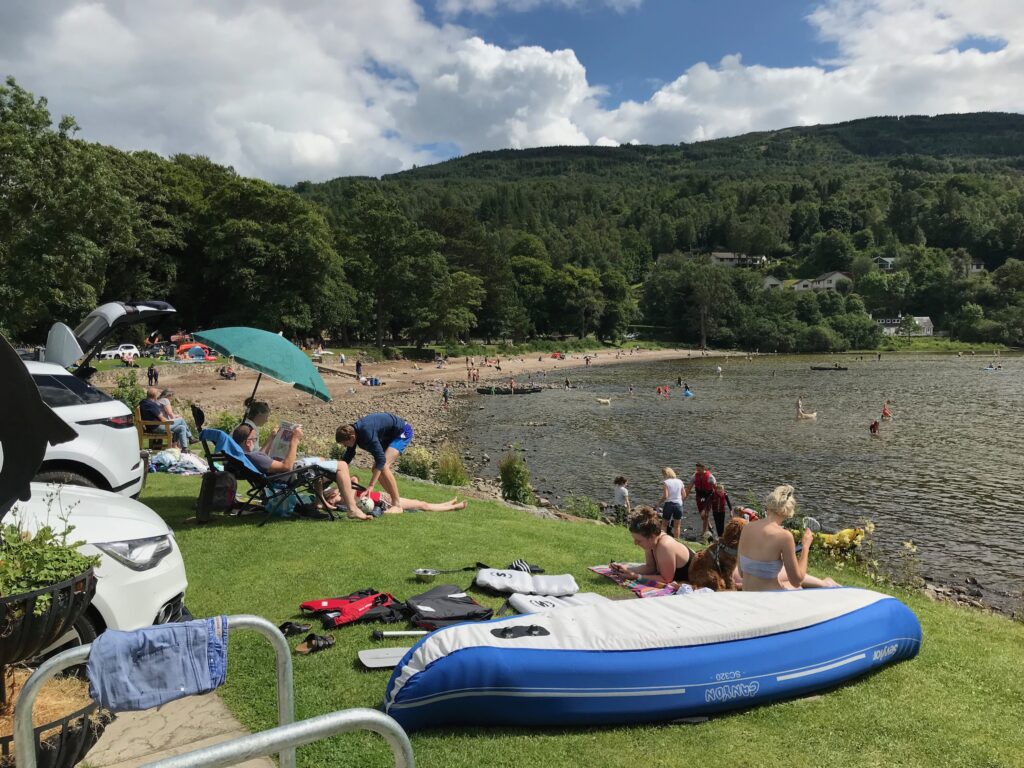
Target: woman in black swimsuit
{"points": [[666, 559]]}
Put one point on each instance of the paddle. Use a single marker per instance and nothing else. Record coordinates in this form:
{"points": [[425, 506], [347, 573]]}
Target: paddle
{"points": [[381, 658]]}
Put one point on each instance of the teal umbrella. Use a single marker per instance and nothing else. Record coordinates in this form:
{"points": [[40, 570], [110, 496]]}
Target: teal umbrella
{"points": [[267, 353]]}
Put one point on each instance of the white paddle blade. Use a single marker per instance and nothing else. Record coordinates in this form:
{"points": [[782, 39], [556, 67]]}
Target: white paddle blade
{"points": [[381, 658]]}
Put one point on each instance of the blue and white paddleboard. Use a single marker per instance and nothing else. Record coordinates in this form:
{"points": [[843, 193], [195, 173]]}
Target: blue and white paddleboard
{"points": [[648, 660]]}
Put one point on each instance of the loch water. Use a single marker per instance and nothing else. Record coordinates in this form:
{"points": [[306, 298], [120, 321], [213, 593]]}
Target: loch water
{"points": [[947, 472]]}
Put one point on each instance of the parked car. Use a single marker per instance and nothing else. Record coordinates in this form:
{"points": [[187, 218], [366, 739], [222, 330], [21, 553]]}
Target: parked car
{"points": [[116, 353], [141, 573], [106, 452]]}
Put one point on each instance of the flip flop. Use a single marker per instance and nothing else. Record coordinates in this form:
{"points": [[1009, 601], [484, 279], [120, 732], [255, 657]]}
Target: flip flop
{"points": [[313, 644], [290, 628]]}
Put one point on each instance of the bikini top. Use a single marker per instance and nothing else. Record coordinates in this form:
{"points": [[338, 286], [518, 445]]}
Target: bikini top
{"points": [[762, 569]]}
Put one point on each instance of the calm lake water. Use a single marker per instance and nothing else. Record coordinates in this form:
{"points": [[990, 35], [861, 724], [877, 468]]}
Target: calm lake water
{"points": [[947, 472]]}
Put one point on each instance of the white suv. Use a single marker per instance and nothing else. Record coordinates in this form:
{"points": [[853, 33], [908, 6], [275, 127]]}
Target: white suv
{"points": [[106, 452], [141, 576], [116, 353]]}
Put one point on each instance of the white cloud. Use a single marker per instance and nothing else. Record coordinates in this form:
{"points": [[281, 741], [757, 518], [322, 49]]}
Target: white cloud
{"points": [[288, 91]]}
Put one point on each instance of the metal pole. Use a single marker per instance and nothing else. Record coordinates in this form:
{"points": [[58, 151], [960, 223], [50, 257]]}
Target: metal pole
{"points": [[287, 737], [252, 397], [285, 687], [24, 743]]}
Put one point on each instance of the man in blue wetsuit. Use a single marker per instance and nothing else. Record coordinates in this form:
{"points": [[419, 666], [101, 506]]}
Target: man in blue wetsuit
{"points": [[384, 436]]}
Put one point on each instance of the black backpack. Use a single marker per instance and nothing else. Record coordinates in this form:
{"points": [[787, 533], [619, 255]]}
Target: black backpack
{"points": [[444, 605], [217, 494]]}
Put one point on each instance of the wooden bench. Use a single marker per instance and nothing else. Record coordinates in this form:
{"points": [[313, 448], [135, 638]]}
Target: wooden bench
{"points": [[153, 441]]}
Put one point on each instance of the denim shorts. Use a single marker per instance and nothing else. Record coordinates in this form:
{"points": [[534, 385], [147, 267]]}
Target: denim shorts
{"points": [[670, 510]]}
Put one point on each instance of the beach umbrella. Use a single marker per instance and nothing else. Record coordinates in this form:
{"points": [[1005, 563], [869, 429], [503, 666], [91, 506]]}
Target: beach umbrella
{"points": [[269, 354]]}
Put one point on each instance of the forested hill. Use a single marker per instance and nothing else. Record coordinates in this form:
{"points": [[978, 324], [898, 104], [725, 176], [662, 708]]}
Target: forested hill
{"points": [[924, 215], [955, 137]]}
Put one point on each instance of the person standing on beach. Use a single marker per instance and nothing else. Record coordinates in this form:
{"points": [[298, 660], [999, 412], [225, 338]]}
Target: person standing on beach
{"points": [[672, 495], [445, 394], [359, 369], [705, 484], [621, 499]]}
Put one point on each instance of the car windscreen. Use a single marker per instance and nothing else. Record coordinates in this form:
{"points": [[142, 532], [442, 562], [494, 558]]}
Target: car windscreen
{"points": [[62, 391]]}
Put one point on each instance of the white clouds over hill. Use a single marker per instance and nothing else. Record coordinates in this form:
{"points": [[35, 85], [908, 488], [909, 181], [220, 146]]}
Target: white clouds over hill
{"points": [[323, 88]]}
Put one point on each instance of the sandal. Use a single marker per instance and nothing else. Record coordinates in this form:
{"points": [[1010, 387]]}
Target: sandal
{"points": [[290, 628], [314, 643]]}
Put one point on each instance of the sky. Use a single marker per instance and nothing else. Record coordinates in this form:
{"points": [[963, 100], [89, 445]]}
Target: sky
{"points": [[291, 90]]}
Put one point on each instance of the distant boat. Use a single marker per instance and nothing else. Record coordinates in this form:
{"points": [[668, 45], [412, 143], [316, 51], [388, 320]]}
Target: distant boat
{"points": [[508, 390], [828, 368]]}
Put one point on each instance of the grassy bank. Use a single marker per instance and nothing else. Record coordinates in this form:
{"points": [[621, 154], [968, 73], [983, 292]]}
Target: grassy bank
{"points": [[931, 344], [957, 704]]}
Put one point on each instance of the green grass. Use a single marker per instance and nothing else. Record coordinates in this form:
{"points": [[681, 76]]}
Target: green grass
{"points": [[959, 703], [929, 344]]}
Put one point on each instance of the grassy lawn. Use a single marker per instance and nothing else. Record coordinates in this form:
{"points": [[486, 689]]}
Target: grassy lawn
{"points": [[959, 703]]}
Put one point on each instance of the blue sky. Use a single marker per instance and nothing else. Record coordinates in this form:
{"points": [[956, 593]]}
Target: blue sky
{"points": [[635, 51], [288, 90]]}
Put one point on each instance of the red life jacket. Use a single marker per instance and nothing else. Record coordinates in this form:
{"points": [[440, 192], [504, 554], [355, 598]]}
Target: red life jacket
{"points": [[365, 604], [702, 481]]}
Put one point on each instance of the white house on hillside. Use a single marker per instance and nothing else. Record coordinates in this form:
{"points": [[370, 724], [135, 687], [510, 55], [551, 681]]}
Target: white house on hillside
{"points": [[885, 263], [891, 326], [977, 266], [803, 285], [830, 281], [773, 283], [729, 259]]}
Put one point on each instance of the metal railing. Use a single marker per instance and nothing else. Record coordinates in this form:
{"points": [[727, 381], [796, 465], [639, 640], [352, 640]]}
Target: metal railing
{"points": [[283, 739]]}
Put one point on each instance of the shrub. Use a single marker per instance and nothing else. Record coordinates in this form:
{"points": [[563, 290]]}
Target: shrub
{"points": [[515, 477], [224, 421], [450, 469], [582, 506], [416, 462], [336, 451], [128, 389]]}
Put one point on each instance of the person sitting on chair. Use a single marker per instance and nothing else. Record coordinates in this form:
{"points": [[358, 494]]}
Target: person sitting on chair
{"points": [[152, 409]]}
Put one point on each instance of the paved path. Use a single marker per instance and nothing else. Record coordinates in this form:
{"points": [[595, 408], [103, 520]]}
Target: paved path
{"points": [[137, 738]]}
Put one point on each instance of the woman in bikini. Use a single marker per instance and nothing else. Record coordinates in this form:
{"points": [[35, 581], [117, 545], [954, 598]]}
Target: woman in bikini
{"points": [[665, 559], [768, 558], [331, 499]]}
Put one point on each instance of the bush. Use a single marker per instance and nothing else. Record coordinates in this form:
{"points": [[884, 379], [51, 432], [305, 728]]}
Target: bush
{"points": [[582, 506], [128, 389], [416, 462], [224, 421], [450, 469], [515, 477], [336, 451]]}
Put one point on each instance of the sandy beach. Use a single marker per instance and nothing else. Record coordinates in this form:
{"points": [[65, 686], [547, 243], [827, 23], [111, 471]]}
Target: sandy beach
{"points": [[411, 390]]}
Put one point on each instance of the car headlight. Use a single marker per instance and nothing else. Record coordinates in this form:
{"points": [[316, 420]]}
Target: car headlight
{"points": [[138, 554]]}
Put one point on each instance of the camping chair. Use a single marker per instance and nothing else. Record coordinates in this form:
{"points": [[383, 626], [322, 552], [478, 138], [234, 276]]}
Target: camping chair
{"points": [[264, 490], [153, 435], [282, 739]]}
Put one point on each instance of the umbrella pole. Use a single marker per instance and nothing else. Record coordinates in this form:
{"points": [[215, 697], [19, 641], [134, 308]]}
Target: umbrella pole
{"points": [[252, 397]]}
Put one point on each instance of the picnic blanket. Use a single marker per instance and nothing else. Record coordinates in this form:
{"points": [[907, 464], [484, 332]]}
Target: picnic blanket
{"points": [[646, 587]]}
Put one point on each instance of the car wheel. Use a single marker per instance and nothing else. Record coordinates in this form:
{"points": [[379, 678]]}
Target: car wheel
{"points": [[64, 477], [83, 631]]}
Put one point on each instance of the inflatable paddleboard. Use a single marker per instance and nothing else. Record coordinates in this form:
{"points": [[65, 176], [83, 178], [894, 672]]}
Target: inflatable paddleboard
{"points": [[651, 660]]}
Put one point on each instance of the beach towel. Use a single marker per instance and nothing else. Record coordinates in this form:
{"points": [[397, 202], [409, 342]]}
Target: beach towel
{"points": [[646, 587]]}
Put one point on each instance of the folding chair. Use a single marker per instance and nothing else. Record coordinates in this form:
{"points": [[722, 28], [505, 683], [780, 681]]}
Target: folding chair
{"points": [[264, 490], [282, 739]]}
